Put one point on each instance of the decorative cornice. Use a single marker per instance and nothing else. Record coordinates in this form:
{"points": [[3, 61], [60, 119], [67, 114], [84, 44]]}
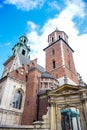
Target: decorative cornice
{"points": [[58, 41]]}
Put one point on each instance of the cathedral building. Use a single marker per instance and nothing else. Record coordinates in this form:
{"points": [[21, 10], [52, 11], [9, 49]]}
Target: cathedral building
{"points": [[29, 92]]}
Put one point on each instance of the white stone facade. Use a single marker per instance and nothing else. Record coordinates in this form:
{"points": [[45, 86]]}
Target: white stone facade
{"points": [[8, 114]]}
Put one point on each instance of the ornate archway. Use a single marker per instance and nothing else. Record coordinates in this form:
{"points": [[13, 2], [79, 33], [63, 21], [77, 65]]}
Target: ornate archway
{"points": [[62, 100]]}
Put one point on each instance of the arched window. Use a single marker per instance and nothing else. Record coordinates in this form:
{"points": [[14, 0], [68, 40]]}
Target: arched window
{"points": [[52, 39], [24, 40], [23, 52], [26, 78], [17, 99], [59, 36], [33, 64], [53, 51], [54, 64]]}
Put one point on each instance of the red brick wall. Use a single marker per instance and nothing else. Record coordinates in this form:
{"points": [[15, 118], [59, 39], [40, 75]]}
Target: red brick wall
{"points": [[68, 57], [70, 70], [30, 107], [19, 74], [59, 70], [50, 57], [71, 75], [22, 72], [58, 73], [43, 104]]}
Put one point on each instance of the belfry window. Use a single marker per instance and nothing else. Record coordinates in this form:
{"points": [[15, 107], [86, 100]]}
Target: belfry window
{"points": [[17, 99], [24, 40], [54, 64], [52, 39], [23, 52], [53, 51]]}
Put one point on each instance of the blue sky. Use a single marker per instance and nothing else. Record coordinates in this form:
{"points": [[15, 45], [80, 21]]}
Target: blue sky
{"points": [[36, 19]]}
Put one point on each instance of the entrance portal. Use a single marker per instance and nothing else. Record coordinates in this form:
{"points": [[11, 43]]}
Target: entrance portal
{"points": [[70, 119]]}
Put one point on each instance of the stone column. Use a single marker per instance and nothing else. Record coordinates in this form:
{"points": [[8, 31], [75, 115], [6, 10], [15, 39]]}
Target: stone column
{"points": [[77, 123], [84, 105], [72, 123], [86, 111], [82, 118], [52, 117], [58, 119], [70, 126]]}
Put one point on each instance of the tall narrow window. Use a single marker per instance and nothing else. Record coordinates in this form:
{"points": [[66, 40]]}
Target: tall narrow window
{"points": [[17, 100], [54, 65], [53, 51], [26, 78], [52, 39], [23, 52], [24, 40]]}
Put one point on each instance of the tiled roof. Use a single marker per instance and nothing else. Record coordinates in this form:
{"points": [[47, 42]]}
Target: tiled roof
{"points": [[47, 75], [40, 68]]}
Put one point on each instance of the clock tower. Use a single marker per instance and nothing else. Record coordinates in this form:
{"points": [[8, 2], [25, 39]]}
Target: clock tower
{"points": [[59, 58], [21, 47], [20, 56]]}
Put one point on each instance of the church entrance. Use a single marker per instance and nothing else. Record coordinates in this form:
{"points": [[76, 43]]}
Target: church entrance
{"points": [[70, 119], [68, 108]]}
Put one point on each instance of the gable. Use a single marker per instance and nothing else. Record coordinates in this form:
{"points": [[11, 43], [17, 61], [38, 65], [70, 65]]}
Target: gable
{"points": [[65, 89], [15, 64]]}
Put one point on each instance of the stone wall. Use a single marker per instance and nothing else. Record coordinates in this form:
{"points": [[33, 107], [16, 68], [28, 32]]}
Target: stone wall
{"points": [[32, 127], [9, 117]]}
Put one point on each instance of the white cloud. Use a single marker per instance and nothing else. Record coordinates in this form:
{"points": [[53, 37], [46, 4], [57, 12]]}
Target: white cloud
{"points": [[80, 46], [31, 25], [37, 44], [74, 8], [54, 5], [64, 21], [25, 4]]}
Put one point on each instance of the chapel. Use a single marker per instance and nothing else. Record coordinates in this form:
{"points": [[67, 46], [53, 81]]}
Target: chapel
{"points": [[55, 94]]}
